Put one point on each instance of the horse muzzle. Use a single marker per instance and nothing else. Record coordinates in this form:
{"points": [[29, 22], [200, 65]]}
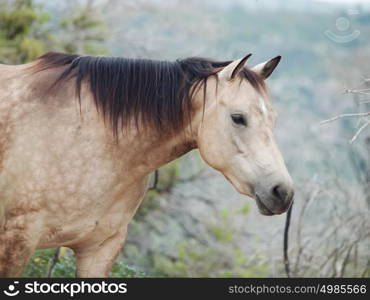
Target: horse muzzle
{"points": [[276, 202]]}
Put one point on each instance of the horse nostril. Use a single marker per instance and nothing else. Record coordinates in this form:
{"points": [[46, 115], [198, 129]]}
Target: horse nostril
{"points": [[280, 192]]}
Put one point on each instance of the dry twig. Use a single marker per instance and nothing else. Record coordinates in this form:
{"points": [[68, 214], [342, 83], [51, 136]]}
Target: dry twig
{"points": [[359, 131], [356, 115]]}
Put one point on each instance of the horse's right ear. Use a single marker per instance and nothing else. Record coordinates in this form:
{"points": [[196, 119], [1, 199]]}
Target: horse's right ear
{"points": [[233, 69], [266, 68]]}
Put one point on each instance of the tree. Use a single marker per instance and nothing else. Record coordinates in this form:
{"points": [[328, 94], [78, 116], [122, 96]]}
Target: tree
{"points": [[84, 31], [27, 30], [22, 37]]}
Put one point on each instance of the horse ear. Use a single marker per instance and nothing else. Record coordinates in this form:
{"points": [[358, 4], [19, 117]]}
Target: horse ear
{"points": [[233, 68], [266, 68]]}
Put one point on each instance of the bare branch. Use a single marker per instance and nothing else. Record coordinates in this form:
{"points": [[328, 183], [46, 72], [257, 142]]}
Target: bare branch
{"points": [[366, 114], [359, 132], [367, 268], [359, 91]]}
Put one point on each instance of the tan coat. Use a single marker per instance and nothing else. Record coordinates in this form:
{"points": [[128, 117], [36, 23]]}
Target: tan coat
{"points": [[65, 181]]}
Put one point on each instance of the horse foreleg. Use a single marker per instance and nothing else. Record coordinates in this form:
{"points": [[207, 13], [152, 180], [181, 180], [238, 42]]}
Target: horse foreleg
{"points": [[97, 260], [17, 243]]}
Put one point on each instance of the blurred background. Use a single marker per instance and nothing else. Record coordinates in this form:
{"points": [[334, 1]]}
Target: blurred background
{"points": [[194, 224]]}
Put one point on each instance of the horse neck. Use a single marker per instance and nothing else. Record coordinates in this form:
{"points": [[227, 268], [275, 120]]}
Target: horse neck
{"points": [[146, 150], [172, 149], [157, 150]]}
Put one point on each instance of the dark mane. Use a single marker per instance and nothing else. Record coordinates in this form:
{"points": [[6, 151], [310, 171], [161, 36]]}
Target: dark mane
{"points": [[155, 93]]}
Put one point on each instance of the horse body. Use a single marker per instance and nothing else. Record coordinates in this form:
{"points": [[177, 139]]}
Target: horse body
{"points": [[65, 178]]}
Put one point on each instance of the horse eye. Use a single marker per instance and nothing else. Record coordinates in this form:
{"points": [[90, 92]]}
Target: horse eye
{"points": [[239, 119]]}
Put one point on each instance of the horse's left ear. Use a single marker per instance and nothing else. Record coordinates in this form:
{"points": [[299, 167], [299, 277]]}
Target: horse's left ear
{"points": [[233, 68], [266, 68]]}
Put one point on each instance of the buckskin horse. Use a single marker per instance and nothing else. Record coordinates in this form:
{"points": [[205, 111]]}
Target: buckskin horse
{"points": [[79, 136]]}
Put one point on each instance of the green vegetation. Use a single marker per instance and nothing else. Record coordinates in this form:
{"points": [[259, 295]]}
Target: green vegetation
{"points": [[65, 267], [22, 36], [223, 259], [40, 262], [27, 31]]}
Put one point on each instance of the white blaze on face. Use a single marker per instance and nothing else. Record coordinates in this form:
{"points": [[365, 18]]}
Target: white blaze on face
{"points": [[263, 106]]}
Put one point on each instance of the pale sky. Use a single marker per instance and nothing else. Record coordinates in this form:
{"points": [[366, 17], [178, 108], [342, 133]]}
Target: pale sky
{"points": [[344, 1]]}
